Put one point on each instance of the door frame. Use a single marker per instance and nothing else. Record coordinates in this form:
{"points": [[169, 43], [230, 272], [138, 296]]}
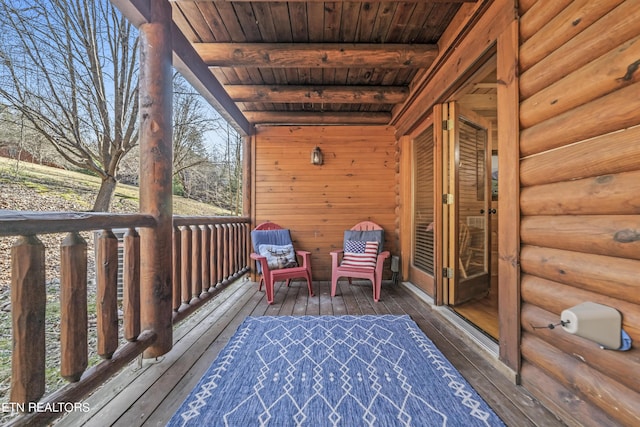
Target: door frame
{"points": [[495, 26]]}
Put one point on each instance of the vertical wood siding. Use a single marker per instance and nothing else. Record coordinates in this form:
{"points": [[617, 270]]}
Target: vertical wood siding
{"points": [[357, 182], [580, 180]]}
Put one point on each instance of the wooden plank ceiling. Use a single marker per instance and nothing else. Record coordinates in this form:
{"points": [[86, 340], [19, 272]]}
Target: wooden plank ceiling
{"points": [[312, 62]]}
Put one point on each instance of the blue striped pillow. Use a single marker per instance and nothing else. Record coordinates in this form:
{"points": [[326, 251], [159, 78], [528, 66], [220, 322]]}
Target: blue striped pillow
{"points": [[360, 254]]}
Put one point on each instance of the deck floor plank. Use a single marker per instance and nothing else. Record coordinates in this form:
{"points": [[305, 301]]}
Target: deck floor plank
{"points": [[287, 306], [512, 403], [106, 399], [150, 394], [323, 292], [346, 293], [176, 396], [142, 399]]}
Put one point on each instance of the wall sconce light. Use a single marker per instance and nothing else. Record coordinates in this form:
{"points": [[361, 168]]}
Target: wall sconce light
{"points": [[316, 156]]}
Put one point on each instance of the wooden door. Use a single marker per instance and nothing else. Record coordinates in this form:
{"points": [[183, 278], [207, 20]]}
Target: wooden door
{"points": [[467, 204]]}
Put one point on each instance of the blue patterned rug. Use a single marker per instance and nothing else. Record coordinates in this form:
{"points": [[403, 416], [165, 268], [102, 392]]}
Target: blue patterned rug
{"points": [[332, 371]]}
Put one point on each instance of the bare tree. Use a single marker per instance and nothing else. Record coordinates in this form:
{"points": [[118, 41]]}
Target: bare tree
{"points": [[70, 68], [190, 124], [225, 182]]}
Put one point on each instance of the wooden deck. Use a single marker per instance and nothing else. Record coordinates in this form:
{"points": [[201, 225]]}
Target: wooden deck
{"points": [[147, 393]]}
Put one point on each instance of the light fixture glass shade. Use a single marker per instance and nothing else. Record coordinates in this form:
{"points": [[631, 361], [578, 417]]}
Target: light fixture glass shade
{"points": [[316, 156]]}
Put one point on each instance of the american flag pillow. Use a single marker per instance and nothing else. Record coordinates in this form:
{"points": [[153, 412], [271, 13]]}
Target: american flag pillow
{"points": [[360, 254]]}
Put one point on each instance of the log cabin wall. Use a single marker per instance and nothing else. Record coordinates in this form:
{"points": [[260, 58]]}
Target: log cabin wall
{"points": [[580, 211], [357, 182]]}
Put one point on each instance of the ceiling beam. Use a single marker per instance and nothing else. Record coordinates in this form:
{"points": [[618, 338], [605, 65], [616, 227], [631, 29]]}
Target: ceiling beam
{"points": [[317, 55], [317, 118], [325, 94]]}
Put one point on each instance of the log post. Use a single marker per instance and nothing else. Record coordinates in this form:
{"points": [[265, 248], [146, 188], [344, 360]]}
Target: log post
{"points": [[239, 248], [233, 250], [107, 297], [220, 252], [73, 303], [245, 246], [185, 278], [205, 233], [214, 257], [131, 284], [196, 264], [225, 254], [28, 302], [156, 176], [177, 267]]}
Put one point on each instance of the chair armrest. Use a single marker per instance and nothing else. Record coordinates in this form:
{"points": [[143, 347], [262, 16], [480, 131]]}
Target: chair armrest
{"points": [[256, 256], [306, 257], [264, 267], [380, 264], [335, 257]]}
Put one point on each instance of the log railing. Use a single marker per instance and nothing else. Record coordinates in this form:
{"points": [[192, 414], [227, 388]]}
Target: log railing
{"points": [[208, 253]]}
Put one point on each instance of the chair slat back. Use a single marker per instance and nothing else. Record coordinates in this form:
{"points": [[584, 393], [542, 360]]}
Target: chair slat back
{"points": [[268, 226], [366, 225]]}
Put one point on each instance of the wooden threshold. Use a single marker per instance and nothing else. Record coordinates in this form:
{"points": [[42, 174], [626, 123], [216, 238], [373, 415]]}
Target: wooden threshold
{"points": [[483, 314], [147, 393]]}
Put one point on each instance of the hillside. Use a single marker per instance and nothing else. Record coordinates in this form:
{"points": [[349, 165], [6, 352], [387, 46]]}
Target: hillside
{"points": [[42, 188]]}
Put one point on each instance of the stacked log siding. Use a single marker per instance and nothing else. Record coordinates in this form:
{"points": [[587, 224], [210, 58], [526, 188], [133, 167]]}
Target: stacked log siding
{"points": [[580, 212]]}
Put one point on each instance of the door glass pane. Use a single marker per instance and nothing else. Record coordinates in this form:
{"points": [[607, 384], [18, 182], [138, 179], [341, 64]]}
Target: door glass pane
{"points": [[472, 175], [423, 207]]}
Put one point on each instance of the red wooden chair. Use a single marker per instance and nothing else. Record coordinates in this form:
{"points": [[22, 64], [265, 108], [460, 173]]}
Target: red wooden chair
{"points": [[371, 268], [284, 266]]}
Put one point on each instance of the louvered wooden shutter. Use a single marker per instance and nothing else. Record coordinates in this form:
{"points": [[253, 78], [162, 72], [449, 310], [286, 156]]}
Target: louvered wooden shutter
{"points": [[423, 207]]}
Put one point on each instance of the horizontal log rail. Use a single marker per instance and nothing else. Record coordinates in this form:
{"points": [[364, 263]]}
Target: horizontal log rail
{"points": [[209, 252], [25, 223]]}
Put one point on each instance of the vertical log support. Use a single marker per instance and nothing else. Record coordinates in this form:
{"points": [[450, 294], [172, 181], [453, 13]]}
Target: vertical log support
{"points": [[205, 233], [185, 278], [225, 254], [232, 251], [131, 284], [28, 301], [247, 246], [107, 295], [196, 268], [156, 175], [214, 256], [239, 248], [73, 300], [177, 267], [220, 253]]}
